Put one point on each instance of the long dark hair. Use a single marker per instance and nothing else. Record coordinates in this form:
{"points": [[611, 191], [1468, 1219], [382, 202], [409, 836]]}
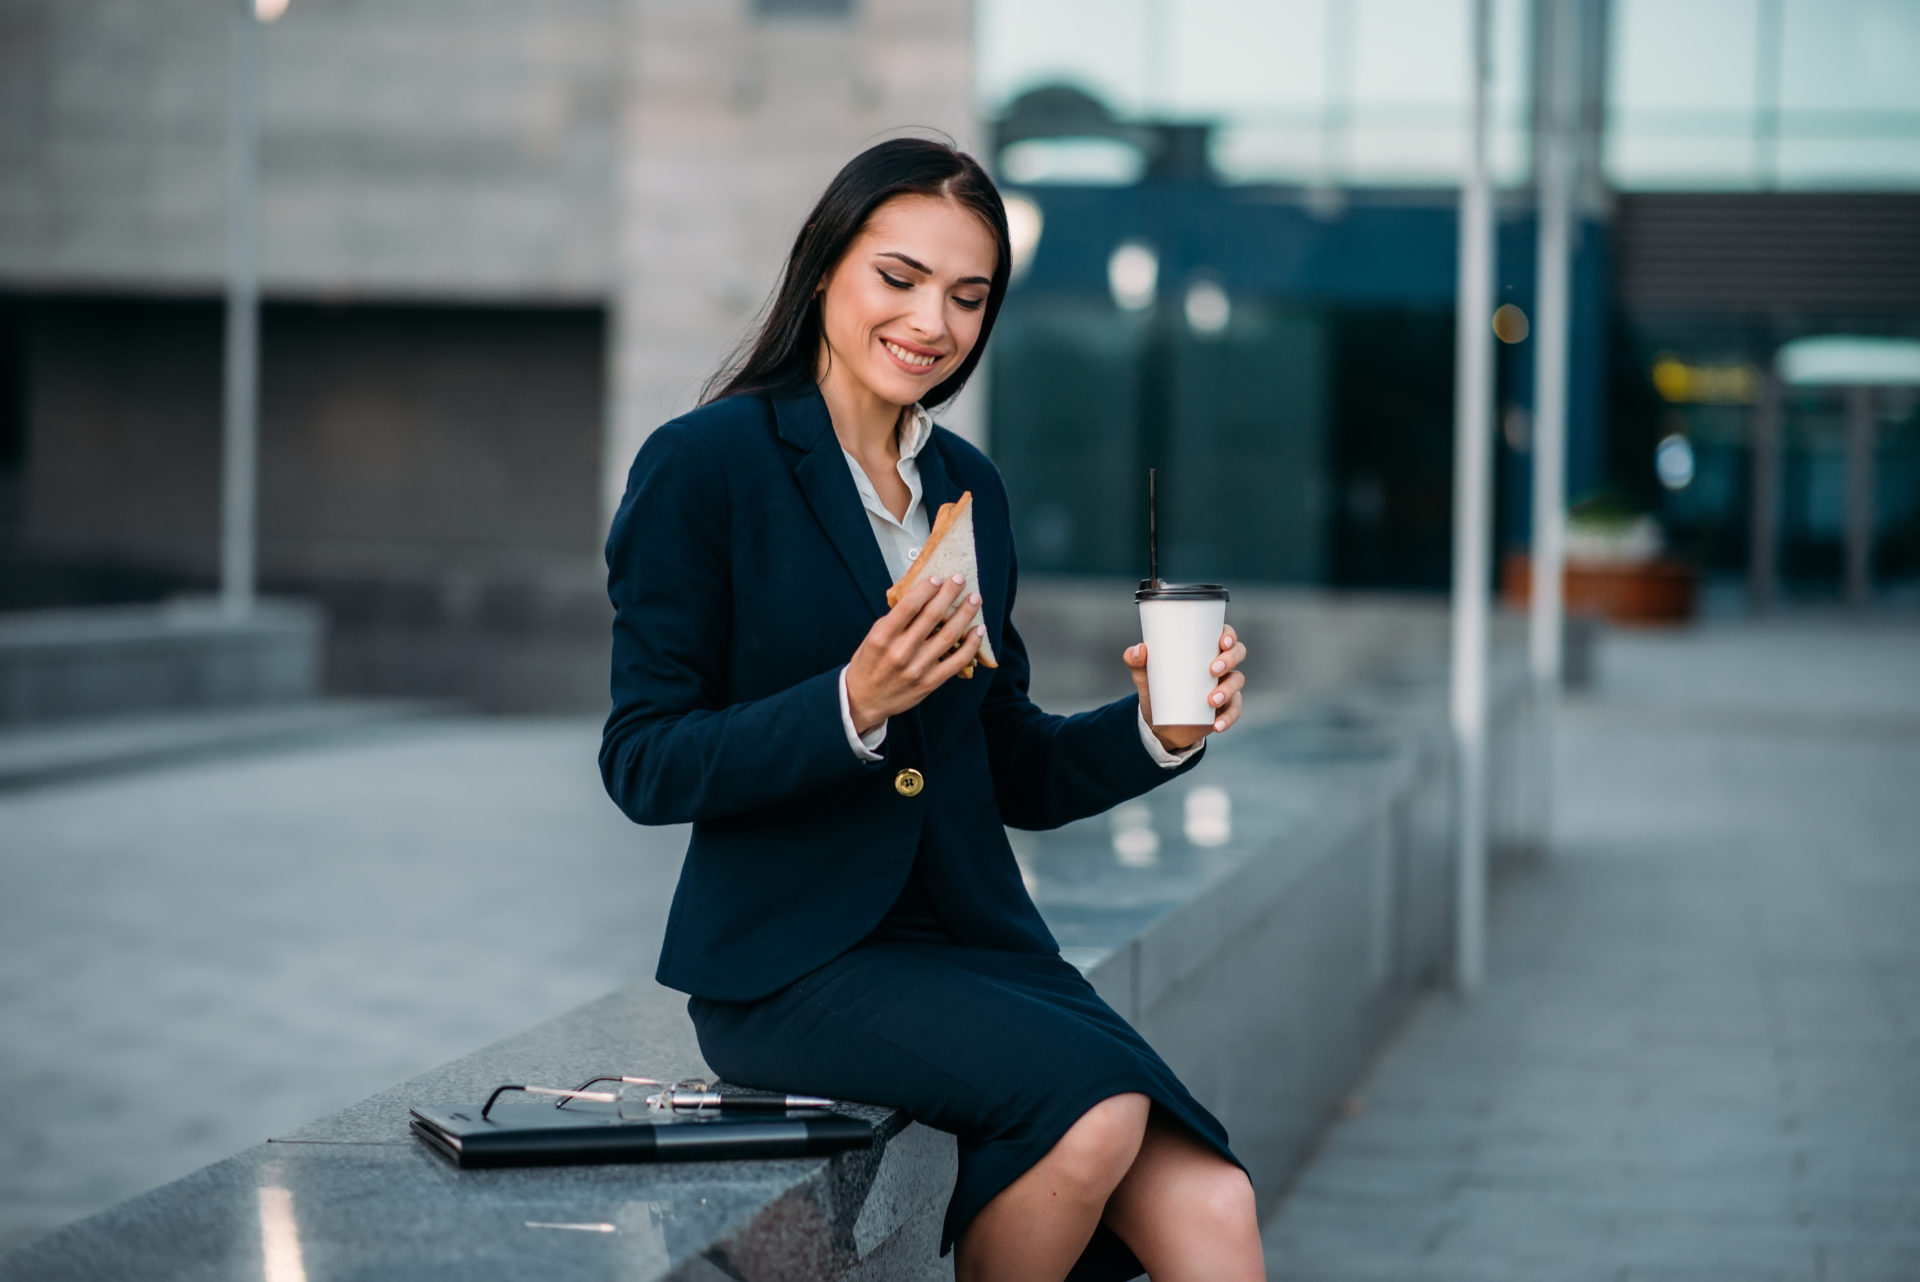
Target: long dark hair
{"points": [[782, 352]]}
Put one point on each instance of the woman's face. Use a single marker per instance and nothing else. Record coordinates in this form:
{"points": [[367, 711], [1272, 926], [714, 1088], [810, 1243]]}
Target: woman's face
{"points": [[902, 308]]}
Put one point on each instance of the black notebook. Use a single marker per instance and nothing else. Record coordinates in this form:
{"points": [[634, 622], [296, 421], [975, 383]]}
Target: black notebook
{"points": [[528, 1134]]}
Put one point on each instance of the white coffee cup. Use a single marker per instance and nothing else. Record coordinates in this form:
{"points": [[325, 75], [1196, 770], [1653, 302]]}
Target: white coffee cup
{"points": [[1181, 624]]}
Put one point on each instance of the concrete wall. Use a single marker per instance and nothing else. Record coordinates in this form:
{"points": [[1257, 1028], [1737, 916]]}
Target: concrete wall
{"points": [[655, 154], [731, 128], [430, 148]]}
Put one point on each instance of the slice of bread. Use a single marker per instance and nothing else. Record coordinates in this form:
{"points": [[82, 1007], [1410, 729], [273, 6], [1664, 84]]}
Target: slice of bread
{"points": [[947, 551]]}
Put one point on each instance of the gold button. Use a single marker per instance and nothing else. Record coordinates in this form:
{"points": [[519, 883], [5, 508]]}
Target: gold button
{"points": [[909, 782]]}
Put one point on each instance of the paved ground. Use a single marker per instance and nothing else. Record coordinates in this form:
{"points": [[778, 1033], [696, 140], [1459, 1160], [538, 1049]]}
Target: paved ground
{"points": [[1697, 1055], [195, 958]]}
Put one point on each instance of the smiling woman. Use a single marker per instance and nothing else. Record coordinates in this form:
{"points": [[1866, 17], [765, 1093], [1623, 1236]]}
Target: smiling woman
{"points": [[912, 218], [903, 306], [850, 920]]}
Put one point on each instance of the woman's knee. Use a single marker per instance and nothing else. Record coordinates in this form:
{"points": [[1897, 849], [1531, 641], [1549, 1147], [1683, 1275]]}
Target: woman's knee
{"points": [[1100, 1146], [1216, 1197]]}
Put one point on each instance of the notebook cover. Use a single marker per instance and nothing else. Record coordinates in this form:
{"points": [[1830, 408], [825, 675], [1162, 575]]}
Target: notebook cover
{"points": [[540, 1134]]}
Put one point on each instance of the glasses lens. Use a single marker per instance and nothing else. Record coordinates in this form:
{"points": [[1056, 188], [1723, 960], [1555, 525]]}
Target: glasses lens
{"points": [[633, 1103]]}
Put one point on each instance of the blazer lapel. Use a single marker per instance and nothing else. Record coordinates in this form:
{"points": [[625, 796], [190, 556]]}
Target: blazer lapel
{"points": [[822, 472], [936, 487]]}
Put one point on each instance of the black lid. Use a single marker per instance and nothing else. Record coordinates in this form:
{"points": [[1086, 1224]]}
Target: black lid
{"points": [[1151, 591]]}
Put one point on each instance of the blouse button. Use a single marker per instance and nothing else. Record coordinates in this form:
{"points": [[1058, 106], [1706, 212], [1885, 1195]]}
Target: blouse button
{"points": [[912, 553]]}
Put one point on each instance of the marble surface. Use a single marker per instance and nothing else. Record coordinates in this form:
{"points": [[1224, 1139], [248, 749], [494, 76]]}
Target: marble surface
{"points": [[1143, 899]]}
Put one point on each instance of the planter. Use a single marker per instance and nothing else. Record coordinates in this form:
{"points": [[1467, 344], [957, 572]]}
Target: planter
{"points": [[1632, 593]]}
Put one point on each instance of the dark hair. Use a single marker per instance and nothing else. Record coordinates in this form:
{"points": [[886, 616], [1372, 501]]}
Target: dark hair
{"points": [[782, 353]]}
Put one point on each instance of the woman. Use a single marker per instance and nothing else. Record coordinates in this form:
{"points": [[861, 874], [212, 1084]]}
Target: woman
{"points": [[849, 919]]}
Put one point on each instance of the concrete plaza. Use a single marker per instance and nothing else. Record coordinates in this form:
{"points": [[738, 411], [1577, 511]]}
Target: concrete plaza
{"points": [[1697, 1052]]}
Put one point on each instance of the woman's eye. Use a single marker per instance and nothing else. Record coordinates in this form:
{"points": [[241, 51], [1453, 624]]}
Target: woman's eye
{"points": [[971, 304], [895, 281]]}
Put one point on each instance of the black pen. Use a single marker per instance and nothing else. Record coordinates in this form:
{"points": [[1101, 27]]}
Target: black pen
{"points": [[691, 1095], [680, 1099]]}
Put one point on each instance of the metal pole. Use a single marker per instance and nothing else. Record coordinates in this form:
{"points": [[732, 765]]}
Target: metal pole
{"points": [[1472, 529], [240, 427], [1764, 504], [1552, 269], [1860, 486]]}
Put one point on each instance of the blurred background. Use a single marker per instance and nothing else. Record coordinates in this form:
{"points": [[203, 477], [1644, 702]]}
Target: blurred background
{"points": [[498, 244]]}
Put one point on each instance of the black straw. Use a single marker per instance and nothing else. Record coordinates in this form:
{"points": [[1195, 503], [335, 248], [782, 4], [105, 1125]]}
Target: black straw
{"points": [[1153, 538]]}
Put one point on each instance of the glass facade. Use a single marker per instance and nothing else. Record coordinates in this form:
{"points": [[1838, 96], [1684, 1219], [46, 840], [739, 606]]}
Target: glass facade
{"points": [[1239, 253], [1763, 94], [1323, 92]]}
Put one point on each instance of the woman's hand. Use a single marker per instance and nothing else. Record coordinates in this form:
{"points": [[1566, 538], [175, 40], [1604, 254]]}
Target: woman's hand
{"points": [[905, 655], [1225, 696]]}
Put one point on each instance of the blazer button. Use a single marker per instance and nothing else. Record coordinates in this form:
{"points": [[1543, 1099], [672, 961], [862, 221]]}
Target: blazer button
{"points": [[909, 782]]}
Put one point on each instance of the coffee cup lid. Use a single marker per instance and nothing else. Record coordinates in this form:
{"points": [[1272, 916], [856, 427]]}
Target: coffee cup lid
{"points": [[1151, 591]]}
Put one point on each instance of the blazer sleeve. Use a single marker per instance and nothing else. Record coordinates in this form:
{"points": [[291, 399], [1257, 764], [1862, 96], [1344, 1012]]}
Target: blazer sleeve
{"points": [[672, 750], [1050, 770]]}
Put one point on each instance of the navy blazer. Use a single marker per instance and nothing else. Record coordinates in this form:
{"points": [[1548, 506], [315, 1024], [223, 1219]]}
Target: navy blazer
{"points": [[744, 574]]}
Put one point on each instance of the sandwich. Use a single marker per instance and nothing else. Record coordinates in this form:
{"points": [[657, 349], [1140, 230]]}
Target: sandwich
{"points": [[948, 550]]}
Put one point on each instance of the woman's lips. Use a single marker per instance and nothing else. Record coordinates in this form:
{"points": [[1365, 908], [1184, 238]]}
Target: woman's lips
{"points": [[910, 359]]}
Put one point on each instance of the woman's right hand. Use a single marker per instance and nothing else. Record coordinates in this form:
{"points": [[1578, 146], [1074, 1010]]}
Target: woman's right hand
{"points": [[905, 658]]}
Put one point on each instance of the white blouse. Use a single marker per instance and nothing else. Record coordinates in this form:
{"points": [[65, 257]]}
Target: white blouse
{"points": [[900, 543]]}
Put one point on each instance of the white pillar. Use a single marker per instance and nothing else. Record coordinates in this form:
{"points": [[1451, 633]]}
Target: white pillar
{"points": [[240, 428], [1550, 336], [1472, 528]]}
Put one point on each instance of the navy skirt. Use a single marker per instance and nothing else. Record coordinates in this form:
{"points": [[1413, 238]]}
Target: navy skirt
{"points": [[1005, 1050]]}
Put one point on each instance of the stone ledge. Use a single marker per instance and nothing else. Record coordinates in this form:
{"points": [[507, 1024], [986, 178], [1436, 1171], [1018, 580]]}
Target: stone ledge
{"points": [[112, 660]]}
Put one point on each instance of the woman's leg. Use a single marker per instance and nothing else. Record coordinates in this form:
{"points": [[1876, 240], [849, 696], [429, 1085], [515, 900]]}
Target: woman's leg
{"points": [[1035, 1228], [1187, 1212]]}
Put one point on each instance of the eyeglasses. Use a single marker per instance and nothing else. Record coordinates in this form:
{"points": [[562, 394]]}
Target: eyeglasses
{"points": [[688, 1096]]}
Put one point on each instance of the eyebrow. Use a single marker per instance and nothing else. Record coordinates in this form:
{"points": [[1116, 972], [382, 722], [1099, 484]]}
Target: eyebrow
{"points": [[924, 270]]}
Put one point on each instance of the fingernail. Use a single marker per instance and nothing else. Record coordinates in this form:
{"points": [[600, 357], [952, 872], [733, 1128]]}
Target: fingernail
{"points": [[959, 578], [974, 599], [1217, 665], [1219, 725]]}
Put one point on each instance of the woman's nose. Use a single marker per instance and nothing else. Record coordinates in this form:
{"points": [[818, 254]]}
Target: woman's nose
{"points": [[929, 320]]}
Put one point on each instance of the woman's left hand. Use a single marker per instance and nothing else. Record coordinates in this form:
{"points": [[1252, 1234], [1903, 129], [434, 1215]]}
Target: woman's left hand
{"points": [[1225, 696]]}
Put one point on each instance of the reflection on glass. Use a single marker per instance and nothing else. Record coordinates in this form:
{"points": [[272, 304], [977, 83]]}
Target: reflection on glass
{"points": [[1673, 460], [1208, 818], [1135, 843], [1133, 274], [1085, 161], [1208, 307], [1736, 94], [1323, 92], [279, 1237]]}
